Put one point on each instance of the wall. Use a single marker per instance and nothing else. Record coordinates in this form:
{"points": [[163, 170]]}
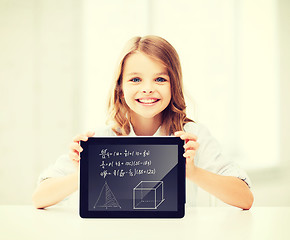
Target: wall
{"points": [[48, 63], [39, 60], [284, 37]]}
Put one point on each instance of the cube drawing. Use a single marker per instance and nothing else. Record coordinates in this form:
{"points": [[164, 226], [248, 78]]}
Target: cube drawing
{"points": [[148, 195]]}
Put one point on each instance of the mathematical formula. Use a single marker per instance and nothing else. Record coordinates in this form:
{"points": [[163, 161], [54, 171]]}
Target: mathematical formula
{"points": [[107, 154], [126, 163], [116, 163], [130, 172]]}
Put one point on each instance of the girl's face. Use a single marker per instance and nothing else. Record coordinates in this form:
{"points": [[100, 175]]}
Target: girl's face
{"points": [[146, 86]]}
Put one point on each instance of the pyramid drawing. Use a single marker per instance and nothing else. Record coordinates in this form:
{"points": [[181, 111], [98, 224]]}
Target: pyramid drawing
{"points": [[106, 198]]}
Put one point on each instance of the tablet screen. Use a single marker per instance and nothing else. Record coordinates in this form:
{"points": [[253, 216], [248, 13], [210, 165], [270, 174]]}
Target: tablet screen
{"points": [[132, 176]]}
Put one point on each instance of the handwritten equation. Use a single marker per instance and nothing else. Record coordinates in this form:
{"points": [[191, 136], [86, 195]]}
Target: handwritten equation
{"points": [[126, 163], [107, 154], [130, 172], [120, 163]]}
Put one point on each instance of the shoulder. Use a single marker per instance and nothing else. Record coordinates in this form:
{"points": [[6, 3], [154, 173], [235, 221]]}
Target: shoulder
{"points": [[197, 129], [208, 143], [104, 131]]}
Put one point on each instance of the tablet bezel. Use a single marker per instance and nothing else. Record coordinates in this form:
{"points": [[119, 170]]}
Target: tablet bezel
{"points": [[83, 178]]}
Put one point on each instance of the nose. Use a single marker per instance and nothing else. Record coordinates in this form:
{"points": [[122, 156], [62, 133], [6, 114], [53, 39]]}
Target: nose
{"points": [[147, 88], [147, 91]]}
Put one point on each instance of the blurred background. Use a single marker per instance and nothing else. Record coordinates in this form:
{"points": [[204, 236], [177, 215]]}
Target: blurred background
{"points": [[57, 59]]}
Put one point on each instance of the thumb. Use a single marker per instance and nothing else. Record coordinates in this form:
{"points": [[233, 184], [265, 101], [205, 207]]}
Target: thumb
{"points": [[90, 133]]}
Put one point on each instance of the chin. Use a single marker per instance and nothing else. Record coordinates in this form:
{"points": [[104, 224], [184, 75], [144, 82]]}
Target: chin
{"points": [[149, 116]]}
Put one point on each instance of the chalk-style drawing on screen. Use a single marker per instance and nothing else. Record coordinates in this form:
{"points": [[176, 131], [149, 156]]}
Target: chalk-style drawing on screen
{"points": [[148, 195], [107, 198]]}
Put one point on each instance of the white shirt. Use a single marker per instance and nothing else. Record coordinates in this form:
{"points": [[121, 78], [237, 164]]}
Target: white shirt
{"points": [[208, 157]]}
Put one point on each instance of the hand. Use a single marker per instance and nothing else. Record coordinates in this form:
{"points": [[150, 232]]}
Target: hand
{"points": [[190, 147], [76, 149]]}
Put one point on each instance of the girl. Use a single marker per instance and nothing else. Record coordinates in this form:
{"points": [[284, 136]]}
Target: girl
{"points": [[147, 99]]}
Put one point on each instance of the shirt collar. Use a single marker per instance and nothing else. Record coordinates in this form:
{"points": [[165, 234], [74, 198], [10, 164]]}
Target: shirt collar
{"points": [[133, 134]]}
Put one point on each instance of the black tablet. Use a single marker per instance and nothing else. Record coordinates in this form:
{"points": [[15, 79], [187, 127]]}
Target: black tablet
{"points": [[132, 177]]}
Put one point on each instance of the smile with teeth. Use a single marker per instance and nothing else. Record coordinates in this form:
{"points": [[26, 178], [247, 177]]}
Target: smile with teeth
{"points": [[147, 100]]}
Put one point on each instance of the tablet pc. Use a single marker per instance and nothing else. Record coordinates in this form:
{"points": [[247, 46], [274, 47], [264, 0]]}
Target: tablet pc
{"points": [[132, 177]]}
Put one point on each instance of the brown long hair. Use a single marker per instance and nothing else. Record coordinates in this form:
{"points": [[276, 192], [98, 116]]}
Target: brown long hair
{"points": [[174, 115]]}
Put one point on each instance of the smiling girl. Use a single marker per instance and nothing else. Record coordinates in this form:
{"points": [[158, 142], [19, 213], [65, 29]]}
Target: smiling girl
{"points": [[147, 100]]}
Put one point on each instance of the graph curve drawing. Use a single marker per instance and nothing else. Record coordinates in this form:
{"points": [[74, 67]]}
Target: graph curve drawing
{"points": [[107, 198]]}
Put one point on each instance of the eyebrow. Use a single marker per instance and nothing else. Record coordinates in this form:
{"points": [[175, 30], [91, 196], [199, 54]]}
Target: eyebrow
{"points": [[162, 73], [156, 74]]}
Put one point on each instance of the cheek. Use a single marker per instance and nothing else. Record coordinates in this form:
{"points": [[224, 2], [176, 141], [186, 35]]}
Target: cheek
{"points": [[124, 91], [167, 94], [128, 94]]}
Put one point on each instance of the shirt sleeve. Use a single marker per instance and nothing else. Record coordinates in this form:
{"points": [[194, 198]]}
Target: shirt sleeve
{"points": [[62, 166], [209, 155]]}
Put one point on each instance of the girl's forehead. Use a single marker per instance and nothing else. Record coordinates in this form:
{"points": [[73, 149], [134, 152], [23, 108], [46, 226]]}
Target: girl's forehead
{"points": [[140, 62]]}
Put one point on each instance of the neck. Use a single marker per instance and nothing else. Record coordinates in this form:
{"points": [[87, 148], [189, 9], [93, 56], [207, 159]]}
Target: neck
{"points": [[145, 126]]}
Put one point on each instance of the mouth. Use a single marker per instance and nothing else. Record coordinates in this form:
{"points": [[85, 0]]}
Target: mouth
{"points": [[148, 101]]}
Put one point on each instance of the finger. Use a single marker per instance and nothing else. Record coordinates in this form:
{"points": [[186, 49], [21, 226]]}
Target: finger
{"points": [[76, 152], [184, 135], [189, 162], [191, 145], [90, 134], [189, 154], [74, 156], [188, 136], [178, 133], [80, 138], [76, 147]]}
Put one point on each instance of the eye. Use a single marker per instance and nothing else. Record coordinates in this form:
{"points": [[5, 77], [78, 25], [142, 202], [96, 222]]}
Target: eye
{"points": [[160, 79], [135, 80]]}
